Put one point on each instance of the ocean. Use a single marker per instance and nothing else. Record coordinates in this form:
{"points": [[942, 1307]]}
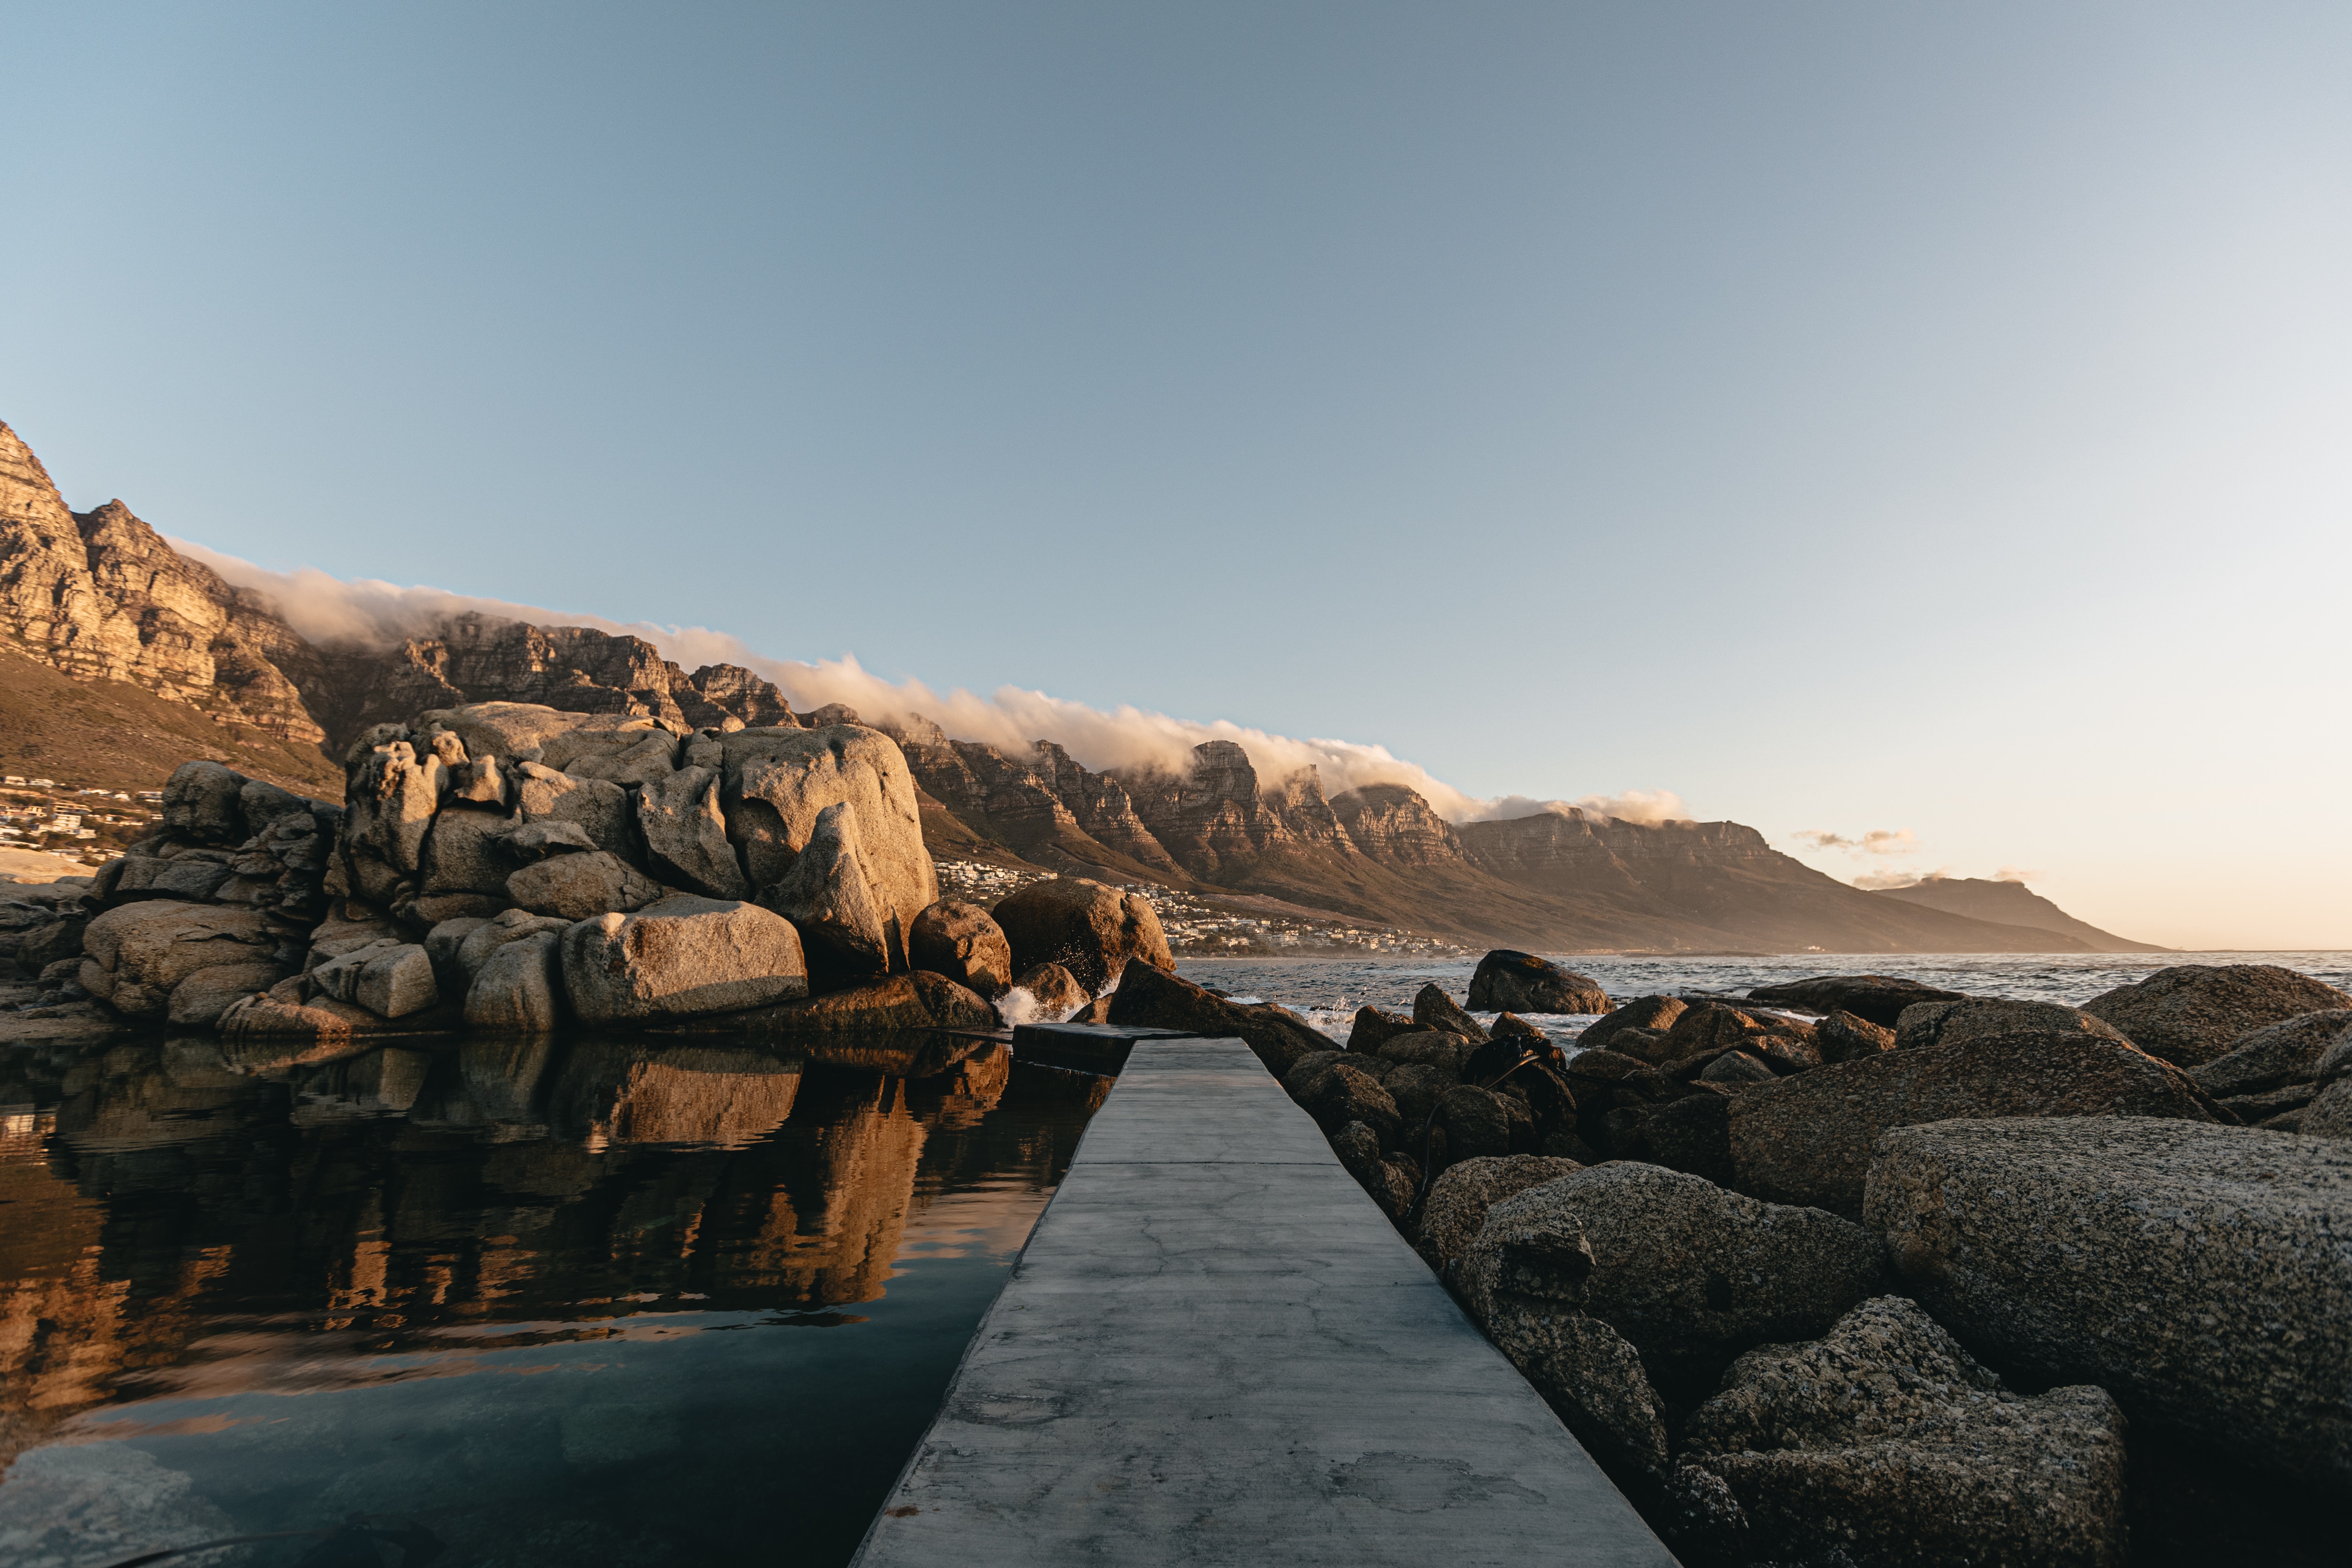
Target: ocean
{"points": [[1329, 991]]}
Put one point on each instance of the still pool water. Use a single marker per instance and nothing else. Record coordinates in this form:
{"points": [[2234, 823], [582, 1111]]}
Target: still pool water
{"points": [[513, 1303]]}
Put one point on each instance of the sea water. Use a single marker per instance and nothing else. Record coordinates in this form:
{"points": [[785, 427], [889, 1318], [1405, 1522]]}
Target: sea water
{"points": [[510, 1302], [1329, 991]]}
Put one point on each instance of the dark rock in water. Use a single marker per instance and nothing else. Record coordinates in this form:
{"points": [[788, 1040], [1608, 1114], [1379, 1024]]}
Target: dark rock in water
{"points": [[1087, 928], [1458, 1200], [1156, 999], [1057, 990], [2198, 1273], [1512, 981], [1510, 1026], [1949, 1023], [1689, 1273], [1877, 997], [1434, 1009], [1702, 1027], [1645, 1013], [1094, 1012], [1336, 1092], [2192, 1014], [1846, 1036], [961, 942], [1884, 1440], [1806, 1140], [1375, 1025], [2276, 1055]]}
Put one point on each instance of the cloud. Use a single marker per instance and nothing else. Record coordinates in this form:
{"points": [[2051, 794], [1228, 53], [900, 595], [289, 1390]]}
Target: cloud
{"points": [[369, 612], [1878, 841], [2016, 874], [1875, 882]]}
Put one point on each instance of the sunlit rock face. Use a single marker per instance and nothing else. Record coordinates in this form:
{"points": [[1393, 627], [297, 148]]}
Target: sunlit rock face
{"points": [[394, 1189]]}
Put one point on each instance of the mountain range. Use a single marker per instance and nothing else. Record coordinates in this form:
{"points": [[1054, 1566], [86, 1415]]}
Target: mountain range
{"points": [[171, 660]]}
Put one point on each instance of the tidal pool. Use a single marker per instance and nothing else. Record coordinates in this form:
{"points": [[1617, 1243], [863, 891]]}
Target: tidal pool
{"points": [[511, 1302]]}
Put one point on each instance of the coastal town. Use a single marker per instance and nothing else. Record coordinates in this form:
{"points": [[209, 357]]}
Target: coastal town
{"points": [[77, 822]]}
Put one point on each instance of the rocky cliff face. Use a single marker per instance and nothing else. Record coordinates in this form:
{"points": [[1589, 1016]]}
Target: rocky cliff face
{"points": [[100, 595]]}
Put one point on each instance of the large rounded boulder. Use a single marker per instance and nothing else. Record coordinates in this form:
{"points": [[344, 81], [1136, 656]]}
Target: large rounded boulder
{"points": [[683, 956], [1510, 981], [2194, 1012], [961, 942], [1089, 929], [874, 875]]}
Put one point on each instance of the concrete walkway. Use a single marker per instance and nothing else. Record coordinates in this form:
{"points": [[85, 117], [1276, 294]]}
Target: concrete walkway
{"points": [[1215, 1350]]}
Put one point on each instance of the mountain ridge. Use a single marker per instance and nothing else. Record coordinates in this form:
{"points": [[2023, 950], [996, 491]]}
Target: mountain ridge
{"points": [[101, 597]]}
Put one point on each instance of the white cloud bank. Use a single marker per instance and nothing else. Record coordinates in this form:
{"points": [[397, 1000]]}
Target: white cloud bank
{"points": [[369, 612]]}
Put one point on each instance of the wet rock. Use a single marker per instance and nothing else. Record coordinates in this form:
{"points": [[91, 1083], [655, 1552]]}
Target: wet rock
{"points": [[1884, 1439], [2192, 1014], [1434, 1009], [2196, 1272], [1458, 1200], [1090, 929], [1154, 998], [2276, 1055], [961, 942], [1808, 1139], [1055, 991], [683, 956], [1649, 1013], [198, 1002], [1374, 1025], [1949, 1023], [1510, 981], [518, 989], [1846, 1036], [580, 886], [1689, 1273], [1877, 997]]}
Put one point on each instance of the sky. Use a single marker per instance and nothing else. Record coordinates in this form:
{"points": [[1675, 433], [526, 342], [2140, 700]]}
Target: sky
{"points": [[1927, 422]]}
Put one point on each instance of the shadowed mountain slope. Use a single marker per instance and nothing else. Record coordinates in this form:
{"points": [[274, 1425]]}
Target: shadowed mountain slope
{"points": [[2012, 902]]}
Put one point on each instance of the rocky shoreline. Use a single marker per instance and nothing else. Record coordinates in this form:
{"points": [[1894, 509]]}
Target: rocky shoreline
{"points": [[1850, 1271], [1866, 1273]]}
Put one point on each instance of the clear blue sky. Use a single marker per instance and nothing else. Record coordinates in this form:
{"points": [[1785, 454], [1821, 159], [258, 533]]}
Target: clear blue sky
{"points": [[1848, 416]]}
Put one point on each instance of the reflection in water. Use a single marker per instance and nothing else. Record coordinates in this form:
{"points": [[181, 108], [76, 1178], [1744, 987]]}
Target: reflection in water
{"points": [[553, 1302]]}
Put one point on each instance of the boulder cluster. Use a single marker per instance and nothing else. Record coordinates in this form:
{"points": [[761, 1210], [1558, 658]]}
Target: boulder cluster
{"points": [[510, 867], [1855, 1271]]}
